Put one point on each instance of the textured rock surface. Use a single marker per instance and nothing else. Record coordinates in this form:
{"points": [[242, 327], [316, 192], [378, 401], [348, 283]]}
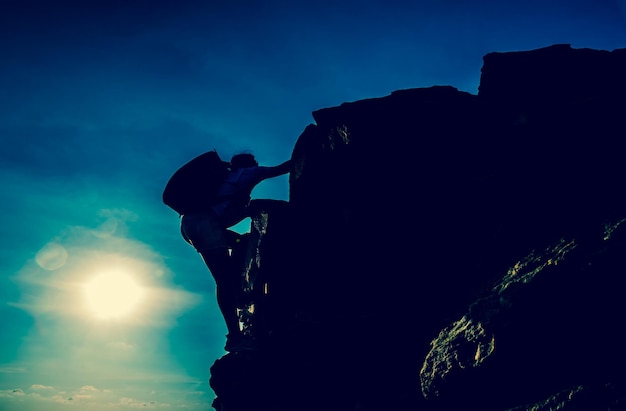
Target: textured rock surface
{"points": [[443, 250]]}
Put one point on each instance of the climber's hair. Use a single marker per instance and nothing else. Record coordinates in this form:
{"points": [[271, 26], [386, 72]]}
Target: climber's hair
{"points": [[243, 160]]}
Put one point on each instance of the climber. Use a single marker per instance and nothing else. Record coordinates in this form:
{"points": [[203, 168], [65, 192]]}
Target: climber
{"points": [[207, 231]]}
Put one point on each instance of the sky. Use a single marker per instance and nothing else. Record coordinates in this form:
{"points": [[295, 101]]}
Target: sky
{"points": [[100, 101]]}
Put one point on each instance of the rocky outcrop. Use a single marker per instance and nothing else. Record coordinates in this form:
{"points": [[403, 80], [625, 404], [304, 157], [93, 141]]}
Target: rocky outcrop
{"points": [[443, 250]]}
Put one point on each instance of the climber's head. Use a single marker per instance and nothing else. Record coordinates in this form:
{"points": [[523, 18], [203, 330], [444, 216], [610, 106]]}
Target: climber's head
{"points": [[243, 160]]}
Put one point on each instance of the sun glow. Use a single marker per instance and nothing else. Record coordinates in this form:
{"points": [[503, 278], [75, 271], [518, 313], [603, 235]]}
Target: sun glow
{"points": [[113, 294]]}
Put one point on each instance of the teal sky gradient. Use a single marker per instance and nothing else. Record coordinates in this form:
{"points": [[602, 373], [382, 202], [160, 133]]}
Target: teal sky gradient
{"points": [[101, 101]]}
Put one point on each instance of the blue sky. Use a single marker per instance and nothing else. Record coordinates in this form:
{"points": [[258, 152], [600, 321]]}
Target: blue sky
{"points": [[100, 101]]}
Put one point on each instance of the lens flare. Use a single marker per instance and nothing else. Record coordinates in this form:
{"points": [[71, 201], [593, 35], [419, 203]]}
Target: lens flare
{"points": [[52, 256]]}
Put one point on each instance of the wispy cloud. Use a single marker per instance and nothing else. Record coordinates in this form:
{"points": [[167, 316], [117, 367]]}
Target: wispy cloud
{"points": [[41, 387], [11, 370]]}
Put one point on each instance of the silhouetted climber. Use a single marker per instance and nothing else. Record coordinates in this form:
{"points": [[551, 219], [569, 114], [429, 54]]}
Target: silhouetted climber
{"points": [[207, 231]]}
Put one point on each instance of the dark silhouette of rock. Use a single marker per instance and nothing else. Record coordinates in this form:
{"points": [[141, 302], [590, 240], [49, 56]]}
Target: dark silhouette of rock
{"points": [[442, 250]]}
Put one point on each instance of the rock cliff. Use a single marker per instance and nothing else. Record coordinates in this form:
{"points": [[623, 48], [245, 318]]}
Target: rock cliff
{"points": [[442, 250]]}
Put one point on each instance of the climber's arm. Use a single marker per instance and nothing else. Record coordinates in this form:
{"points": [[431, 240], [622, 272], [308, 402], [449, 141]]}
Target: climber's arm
{"points": [[269, 172]]}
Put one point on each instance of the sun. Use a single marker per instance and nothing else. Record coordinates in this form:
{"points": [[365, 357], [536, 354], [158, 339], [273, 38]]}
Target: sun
{"points": [[113, 294]]}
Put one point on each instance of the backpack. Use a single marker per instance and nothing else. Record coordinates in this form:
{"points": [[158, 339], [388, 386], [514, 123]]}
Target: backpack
{"points": [[193, 187]]}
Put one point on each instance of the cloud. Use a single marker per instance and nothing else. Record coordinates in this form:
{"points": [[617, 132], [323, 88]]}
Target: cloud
{"points": [[133, 403], [12, 393], [41, 387]]}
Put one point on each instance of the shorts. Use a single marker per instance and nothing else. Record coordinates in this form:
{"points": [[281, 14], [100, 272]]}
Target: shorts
{"points": [[204, 231]]}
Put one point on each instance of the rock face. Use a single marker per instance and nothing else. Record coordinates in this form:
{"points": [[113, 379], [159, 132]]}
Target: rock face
{"points": [[442, 250]]}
